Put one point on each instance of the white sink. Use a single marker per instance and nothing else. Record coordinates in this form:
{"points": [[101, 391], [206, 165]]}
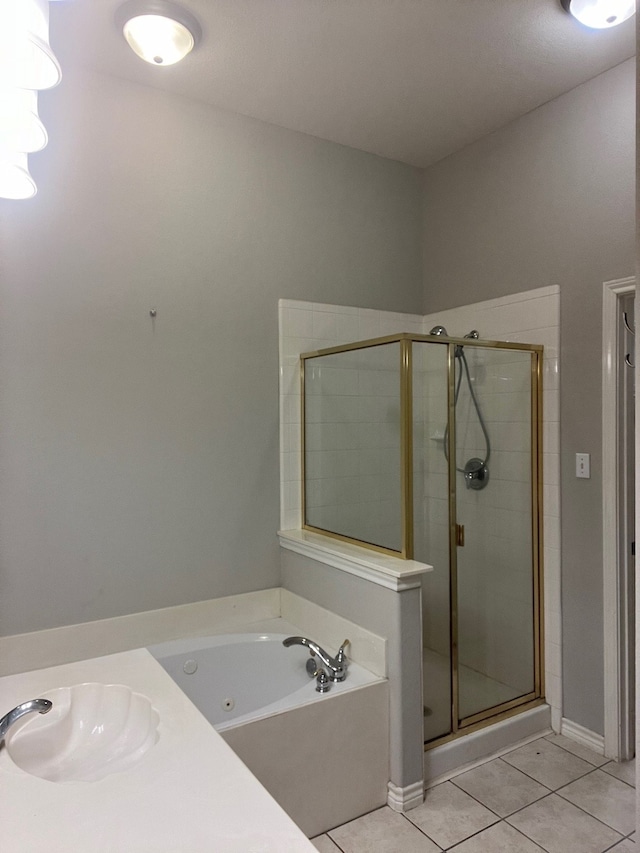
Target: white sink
{"points": [[92, 730]]}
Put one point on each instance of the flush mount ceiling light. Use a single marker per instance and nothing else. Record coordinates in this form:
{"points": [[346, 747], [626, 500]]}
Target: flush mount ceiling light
{"points": [[600, 14], [159, 32]]}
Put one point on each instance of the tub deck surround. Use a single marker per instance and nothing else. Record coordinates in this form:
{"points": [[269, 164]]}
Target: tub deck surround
{"points": [[323, 760], [237, 678], [266, 610], [323, 757], [54, 646], [189, 792]]}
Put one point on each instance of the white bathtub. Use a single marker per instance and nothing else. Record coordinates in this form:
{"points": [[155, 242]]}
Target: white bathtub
{"points": [[323, 757], [235, 678]]}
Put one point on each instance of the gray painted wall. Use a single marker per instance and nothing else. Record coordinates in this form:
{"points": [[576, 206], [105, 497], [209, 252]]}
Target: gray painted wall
{"points": [[139, 459], [550, 200]]}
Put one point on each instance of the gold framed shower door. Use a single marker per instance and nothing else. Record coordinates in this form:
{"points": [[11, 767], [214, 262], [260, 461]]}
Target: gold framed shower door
{"points": [[406, 551]]}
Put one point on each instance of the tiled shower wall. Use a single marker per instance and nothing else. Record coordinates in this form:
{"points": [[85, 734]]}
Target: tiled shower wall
{"points": [[353, 426], [531, 317], [305, 327]]}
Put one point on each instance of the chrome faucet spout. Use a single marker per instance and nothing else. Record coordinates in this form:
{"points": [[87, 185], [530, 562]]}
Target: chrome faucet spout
{"points": [[337, 666], [41, 706]]}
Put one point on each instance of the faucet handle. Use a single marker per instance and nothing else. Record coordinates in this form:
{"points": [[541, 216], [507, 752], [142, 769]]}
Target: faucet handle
{"points": [[341, 657]]}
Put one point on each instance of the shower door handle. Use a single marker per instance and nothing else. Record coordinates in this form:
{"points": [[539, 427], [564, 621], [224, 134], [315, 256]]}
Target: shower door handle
{"points": [[460, 535]]}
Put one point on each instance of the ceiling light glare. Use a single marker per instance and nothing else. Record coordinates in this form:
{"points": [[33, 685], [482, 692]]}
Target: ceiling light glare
{"points": [[26, 58], [158, 32], [20, 127], [600, 14], [15, 181]]}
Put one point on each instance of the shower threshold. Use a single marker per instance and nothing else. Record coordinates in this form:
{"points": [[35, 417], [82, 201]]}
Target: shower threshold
{"points": [[486, 700], [452, 754]]}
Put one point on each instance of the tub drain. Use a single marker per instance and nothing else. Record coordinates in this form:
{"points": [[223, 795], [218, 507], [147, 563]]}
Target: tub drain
{"points": [[190, 666], [228, 704]]}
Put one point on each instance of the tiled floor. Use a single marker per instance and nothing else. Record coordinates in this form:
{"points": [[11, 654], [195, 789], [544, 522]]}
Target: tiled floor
{"points": [[550, 796]]}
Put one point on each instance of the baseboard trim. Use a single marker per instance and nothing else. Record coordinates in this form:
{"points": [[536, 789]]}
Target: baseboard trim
{"points": [[580, 734], [405, 799]]}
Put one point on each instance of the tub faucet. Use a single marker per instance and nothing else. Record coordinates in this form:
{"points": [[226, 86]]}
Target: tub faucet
{"points": [[42, 706], [337, 666]]}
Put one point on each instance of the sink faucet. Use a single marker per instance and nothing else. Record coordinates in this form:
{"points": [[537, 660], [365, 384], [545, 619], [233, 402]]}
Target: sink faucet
{"points": [[42, 706], [337, 666]]}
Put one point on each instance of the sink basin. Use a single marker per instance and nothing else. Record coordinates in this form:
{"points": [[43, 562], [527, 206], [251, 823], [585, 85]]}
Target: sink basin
{"points": [[92, 730]]}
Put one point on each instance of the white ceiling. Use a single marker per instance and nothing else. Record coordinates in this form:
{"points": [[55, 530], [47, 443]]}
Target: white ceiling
{"points": [[412, 80]]}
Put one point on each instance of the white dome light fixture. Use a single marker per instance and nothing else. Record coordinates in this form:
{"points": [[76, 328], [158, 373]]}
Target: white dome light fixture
{"points": [[159, 32], [600, 14]]}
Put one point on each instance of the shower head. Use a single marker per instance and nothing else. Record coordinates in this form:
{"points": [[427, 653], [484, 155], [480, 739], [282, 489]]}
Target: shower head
{"points": [[438, 330]]}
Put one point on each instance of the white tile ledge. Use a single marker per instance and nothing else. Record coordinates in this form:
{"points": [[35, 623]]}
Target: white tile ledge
{"points": [[381, 569]]}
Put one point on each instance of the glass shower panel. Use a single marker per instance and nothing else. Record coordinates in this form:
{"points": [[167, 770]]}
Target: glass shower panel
{"points": [[352, 445], [431, 530], [495, 571]]}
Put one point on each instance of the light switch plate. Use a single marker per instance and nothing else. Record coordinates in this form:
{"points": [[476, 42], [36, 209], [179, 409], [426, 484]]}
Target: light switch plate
{"points": [[583, 466]]}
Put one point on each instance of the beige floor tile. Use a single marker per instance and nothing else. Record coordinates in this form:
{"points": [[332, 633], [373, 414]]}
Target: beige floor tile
{"points": [[382, 831], [547, 763], [625, 770], [578, 749], [448, 815], [500, 838], [324, 844], [606, 798], [560, 827], [500, 787], [626, 846]]}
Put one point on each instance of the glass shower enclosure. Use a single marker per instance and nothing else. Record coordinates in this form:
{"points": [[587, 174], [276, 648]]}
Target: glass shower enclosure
{"points": [[428, 447]]}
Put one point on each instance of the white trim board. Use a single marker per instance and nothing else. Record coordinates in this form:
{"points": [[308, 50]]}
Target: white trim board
{"points": [[613, 746], [381, 569], [404, 799], [586, 737]]}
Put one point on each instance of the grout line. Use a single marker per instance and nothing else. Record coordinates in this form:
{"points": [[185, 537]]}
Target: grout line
{"points": [[615, 844], [335, 842], [575, 755], [600, 820], [420, 830], [613, 776], [593, 817], [505, 819], [484, 805]]}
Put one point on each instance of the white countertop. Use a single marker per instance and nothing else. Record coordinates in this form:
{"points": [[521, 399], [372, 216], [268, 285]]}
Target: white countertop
{"points": [[190, 792]]}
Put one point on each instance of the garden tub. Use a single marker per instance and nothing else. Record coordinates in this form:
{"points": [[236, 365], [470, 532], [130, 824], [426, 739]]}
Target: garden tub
{"points": [[323, 756]]}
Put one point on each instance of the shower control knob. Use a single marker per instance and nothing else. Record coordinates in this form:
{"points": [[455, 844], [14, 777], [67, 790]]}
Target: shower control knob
{"points": [[476, 474]]}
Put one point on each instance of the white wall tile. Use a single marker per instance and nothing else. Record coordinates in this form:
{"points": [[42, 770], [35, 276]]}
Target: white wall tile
{"points": [[525, 318], [324, 326], [299, 323]]}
